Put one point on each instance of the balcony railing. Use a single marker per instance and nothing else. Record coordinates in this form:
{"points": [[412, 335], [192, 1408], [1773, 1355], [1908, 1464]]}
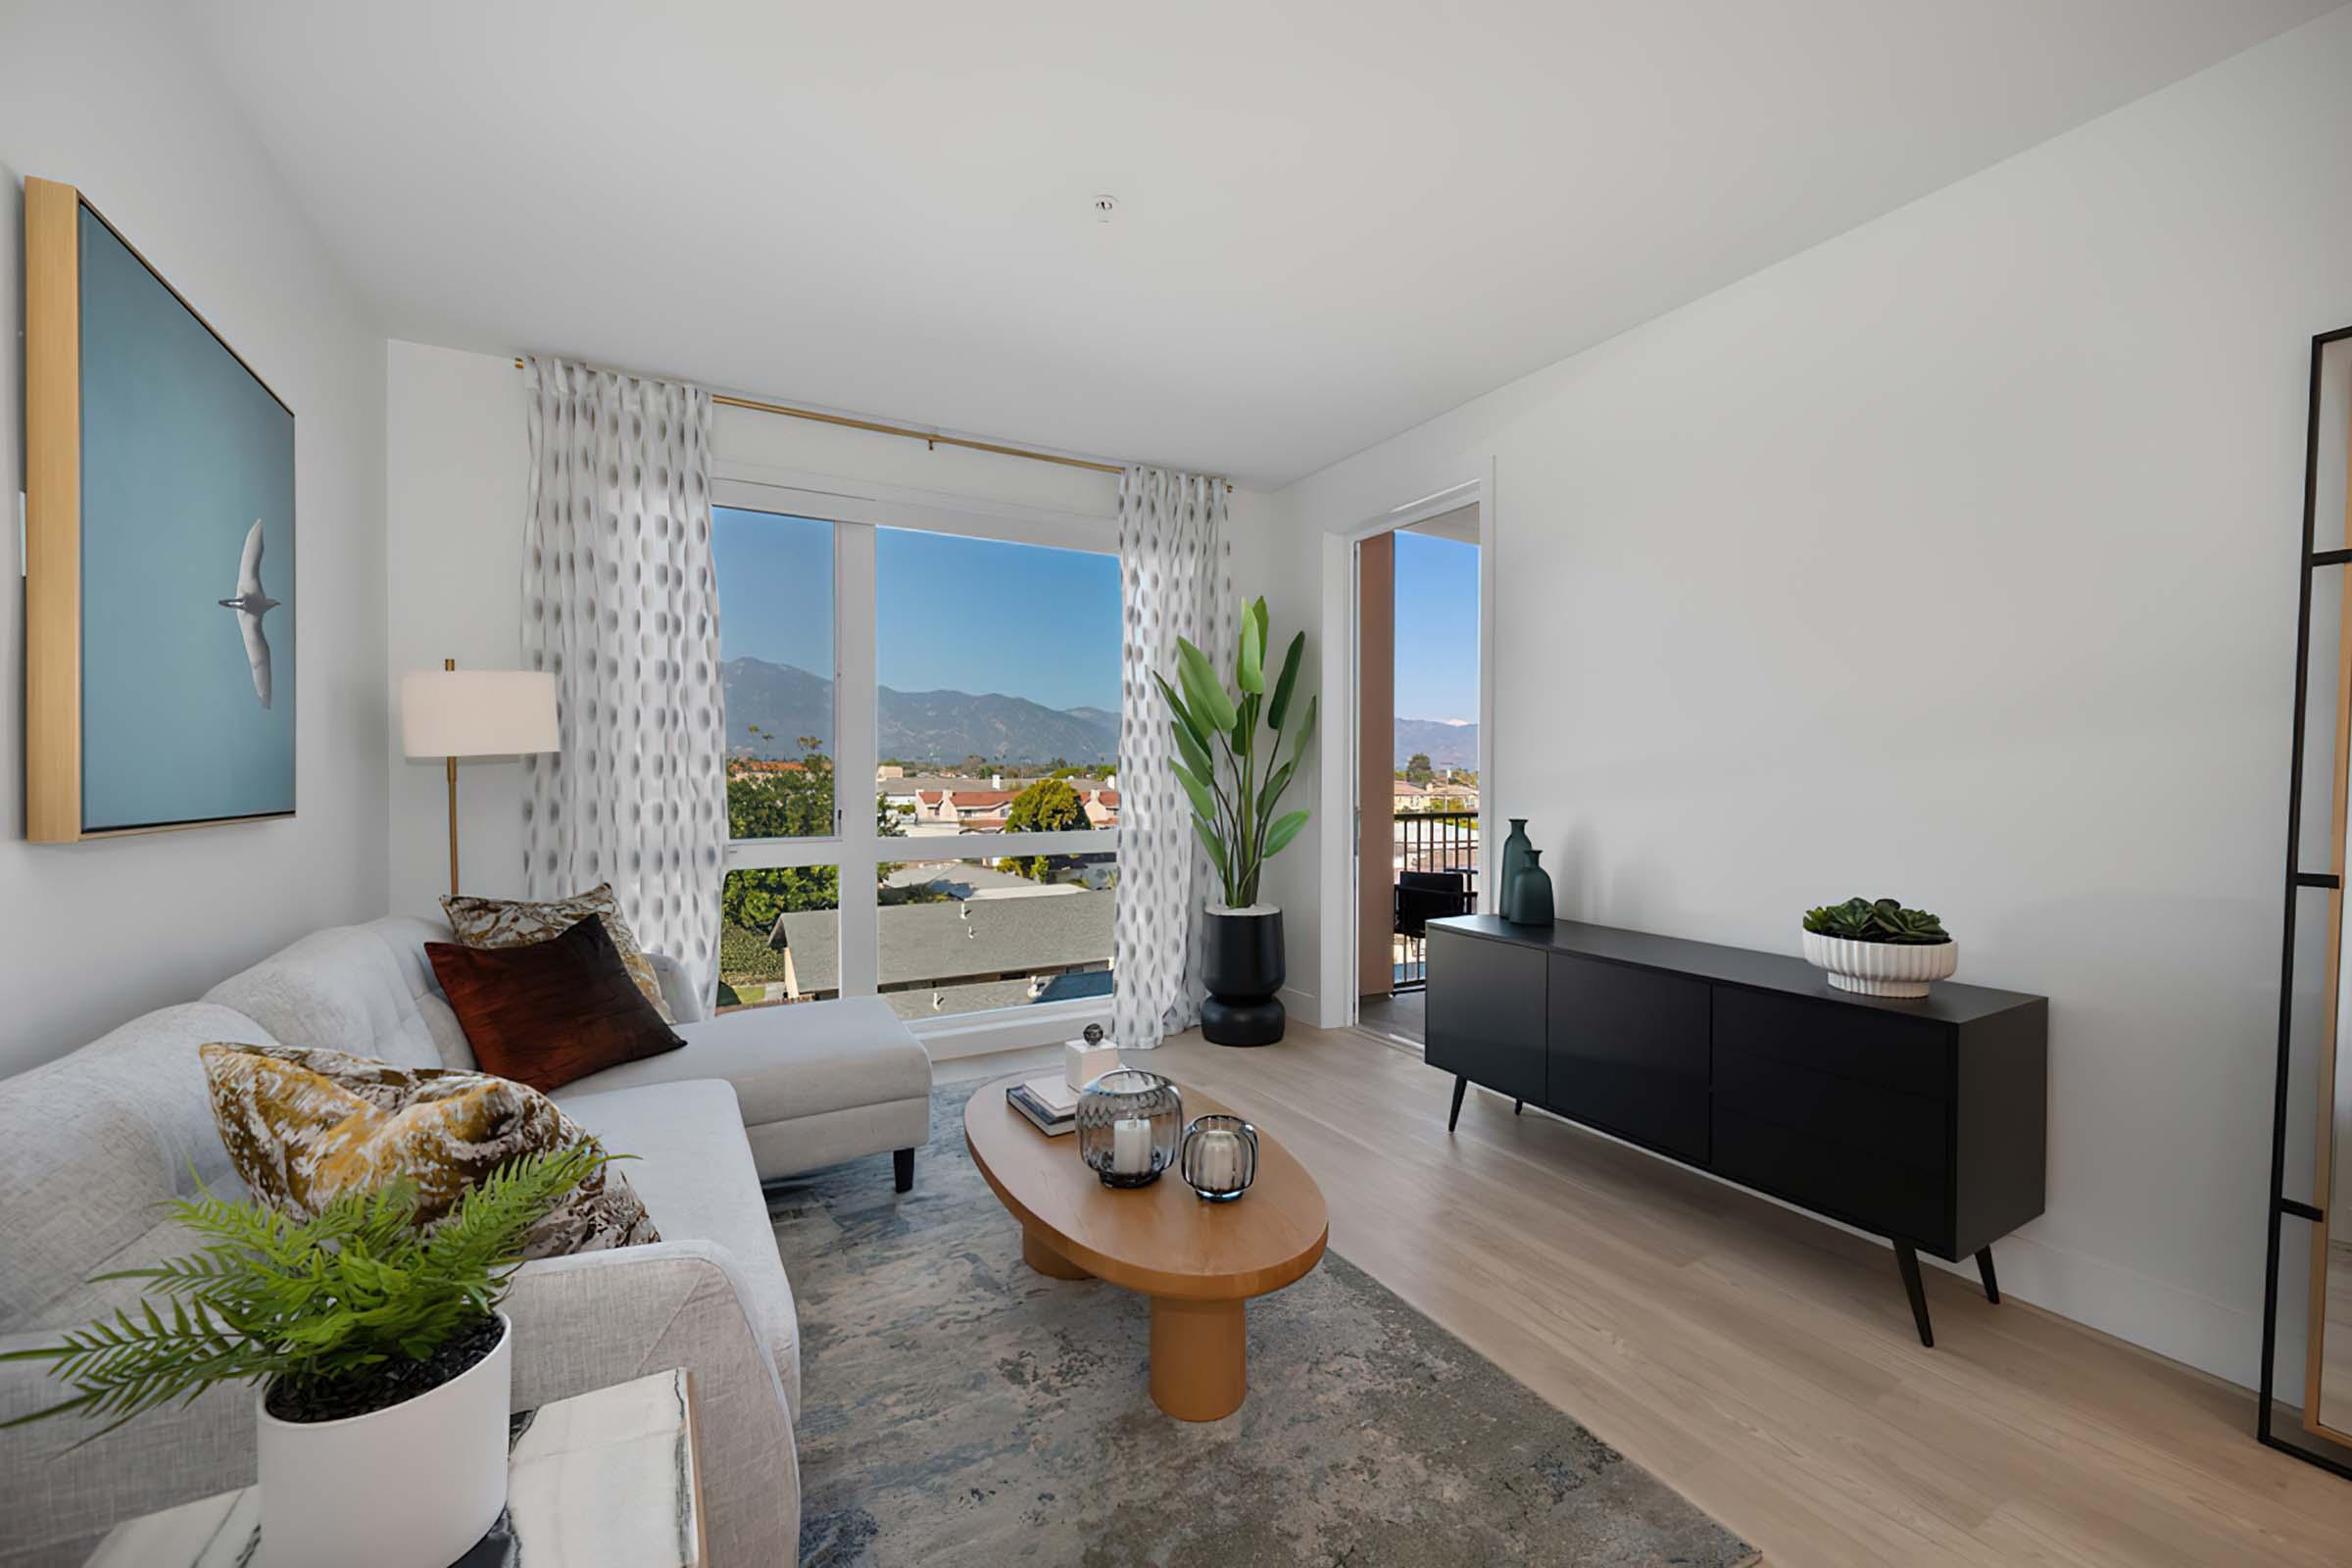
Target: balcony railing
{"points": [[1436, 875]]}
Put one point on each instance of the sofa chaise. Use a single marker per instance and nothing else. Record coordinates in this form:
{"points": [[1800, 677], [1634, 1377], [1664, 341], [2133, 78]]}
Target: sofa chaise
{"points": [[93, 1144]]}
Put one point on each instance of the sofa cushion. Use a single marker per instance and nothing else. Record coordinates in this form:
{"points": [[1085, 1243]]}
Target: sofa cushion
{"points": [[305, 1127], [528, 922], [359, 988], [786, 1062], [694, 1171], [93, 1144], [546, 1014]]}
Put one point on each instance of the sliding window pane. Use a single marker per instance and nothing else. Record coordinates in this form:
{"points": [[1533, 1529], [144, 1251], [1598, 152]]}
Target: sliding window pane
{"points": [[971, 935], [998, 665], [779, 935], [775, 645]]}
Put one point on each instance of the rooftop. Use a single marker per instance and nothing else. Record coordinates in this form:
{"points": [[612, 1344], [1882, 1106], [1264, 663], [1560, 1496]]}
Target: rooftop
{"points": [[904, 784], [927, 941]]}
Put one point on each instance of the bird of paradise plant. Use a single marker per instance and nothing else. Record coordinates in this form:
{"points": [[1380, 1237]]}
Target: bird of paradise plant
{"points": [[1233, 805]]}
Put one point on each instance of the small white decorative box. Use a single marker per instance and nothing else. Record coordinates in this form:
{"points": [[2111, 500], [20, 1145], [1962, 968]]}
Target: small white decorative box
{"points": [[1083, 1061]]}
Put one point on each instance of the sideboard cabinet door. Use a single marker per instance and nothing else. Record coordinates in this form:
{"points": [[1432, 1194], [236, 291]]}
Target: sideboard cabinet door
{"points": [[1485, 1012], [1628, 1053]]}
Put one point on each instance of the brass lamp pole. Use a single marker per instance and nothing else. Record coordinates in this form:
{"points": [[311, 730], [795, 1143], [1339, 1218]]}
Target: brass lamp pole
{"points": [[453, 713], [449, 666]]}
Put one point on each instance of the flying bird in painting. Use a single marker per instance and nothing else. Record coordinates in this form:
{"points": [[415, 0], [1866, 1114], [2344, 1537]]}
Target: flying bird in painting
{"points": [[250, 605]]}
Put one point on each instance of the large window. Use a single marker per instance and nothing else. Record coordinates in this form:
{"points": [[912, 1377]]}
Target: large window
{"points": [[775, 649], [972, 935], [974, 681]]}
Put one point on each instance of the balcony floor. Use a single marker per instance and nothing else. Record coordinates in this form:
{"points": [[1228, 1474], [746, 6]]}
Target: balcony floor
{"points": [[1403, 1016]]}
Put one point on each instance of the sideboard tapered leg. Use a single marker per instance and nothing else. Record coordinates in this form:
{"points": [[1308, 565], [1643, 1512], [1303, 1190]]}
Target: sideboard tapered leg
{"points": [[1908, 1259], [1992, 1284]]}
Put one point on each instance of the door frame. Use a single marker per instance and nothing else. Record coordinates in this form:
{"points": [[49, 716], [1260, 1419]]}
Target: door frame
{"points": [[1340, 876]]}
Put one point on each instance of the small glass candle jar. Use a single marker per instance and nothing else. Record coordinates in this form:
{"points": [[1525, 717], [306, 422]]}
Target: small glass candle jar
{"points": [[1220, 1157], [1128, 1123]]}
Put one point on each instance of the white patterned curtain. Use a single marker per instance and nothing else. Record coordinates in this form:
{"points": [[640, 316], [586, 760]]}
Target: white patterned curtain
{"points": [[1176, 580], [619, 604]]}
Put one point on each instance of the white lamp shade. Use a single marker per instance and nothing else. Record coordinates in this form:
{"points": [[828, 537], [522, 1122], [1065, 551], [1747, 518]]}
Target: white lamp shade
{"points": [[477, 713]]}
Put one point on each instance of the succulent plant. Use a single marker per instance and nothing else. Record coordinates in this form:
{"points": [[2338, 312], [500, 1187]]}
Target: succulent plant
{"points": [[1880, 920]]}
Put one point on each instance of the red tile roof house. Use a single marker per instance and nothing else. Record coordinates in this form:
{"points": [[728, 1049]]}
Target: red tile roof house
{"points": [[984, 810]]}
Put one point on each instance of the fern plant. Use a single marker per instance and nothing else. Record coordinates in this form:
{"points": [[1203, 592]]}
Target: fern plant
{"points": [[276, 1300], [1882, 920]]}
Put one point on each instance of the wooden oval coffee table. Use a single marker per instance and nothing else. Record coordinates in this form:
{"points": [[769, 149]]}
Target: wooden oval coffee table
{"points": [[1197, 1262]]}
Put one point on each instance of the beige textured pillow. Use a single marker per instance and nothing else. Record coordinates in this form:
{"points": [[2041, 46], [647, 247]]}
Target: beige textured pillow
{"points": [[305, 1126], [516, 923]]}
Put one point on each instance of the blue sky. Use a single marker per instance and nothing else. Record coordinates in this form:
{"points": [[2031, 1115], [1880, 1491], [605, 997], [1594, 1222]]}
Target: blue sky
{"points": [[952, 614], [980, 615], [776, 588], [1436, 627]]}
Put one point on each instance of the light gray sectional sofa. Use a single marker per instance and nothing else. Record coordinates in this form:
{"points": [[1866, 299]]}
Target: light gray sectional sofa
{"points": [[94, 1143]]}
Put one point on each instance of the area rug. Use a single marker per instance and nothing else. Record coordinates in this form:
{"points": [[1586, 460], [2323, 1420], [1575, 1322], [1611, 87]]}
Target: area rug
{"points": [[959, 1407]]}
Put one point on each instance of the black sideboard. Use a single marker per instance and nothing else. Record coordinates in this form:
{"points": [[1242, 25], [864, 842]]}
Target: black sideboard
{"points": [[1922, 1121]]}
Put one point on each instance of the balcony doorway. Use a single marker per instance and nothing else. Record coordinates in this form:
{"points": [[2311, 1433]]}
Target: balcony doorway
{"points": [[1417, 767]]}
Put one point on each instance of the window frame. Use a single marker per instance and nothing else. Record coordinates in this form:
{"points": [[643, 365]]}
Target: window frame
{"points": [[857, 509]]}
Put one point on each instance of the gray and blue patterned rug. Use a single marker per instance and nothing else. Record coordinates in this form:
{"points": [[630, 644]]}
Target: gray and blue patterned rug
{"points": [[959, 1408]]}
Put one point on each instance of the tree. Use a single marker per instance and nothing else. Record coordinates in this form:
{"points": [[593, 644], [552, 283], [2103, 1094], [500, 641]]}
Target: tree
{"points": [[1418, 769], [794, 805], [1049, 806], [754, 898]]}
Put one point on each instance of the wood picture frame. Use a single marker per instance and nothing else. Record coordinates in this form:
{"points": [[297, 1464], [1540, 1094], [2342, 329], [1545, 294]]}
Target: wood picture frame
{"points": [[160, 674]]}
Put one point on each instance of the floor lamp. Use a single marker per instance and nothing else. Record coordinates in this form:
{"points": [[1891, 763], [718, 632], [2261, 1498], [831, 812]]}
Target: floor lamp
{"points": [[450, 713]]}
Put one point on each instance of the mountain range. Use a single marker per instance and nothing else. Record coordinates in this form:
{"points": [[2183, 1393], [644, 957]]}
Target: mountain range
{"points": [[941, 726], [946, 726], [1447, 743]]}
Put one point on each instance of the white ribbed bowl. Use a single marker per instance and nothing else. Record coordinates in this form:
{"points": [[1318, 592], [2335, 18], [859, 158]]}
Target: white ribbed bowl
{"points": [[1882, 968]]}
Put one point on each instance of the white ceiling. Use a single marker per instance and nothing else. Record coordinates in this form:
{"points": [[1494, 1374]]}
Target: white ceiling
{"points": [[1337, 219]]}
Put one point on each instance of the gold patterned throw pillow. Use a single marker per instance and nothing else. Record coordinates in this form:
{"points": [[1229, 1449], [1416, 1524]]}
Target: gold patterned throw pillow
{"points": [[517, 923], [305, 1126]]}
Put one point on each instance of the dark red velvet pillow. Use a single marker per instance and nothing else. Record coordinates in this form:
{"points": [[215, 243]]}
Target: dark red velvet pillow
{"points": [[552, 1011]]}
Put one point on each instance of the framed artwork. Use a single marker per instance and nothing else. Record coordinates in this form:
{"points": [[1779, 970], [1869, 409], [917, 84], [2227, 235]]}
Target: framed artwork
{"points": [[160, 601]]}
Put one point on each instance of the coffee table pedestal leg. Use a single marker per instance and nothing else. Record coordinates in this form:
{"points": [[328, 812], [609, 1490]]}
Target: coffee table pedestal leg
{"points": [[1199, 1359], [1046, 1262]]}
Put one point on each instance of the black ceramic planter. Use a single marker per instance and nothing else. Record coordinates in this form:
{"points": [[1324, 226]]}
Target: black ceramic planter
{"points": [[1244, 969]]}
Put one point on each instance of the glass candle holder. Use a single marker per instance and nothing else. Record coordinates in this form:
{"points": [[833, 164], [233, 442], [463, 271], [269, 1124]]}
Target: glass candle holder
{"points": [[1128, 1124], [1220, 1157]]}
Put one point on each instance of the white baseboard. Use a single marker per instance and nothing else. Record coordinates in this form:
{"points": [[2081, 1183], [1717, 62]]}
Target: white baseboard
{"points": [[2182, 1325], [1304, 1006]]}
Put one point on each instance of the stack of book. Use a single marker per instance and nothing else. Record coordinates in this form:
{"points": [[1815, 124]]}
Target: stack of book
{"points": [[1050, 1103]]}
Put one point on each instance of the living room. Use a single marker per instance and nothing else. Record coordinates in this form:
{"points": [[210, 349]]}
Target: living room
{"points": [[498, 483]]}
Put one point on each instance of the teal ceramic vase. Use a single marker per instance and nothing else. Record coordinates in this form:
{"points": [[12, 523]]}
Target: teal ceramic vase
{"points": [[1515, 852], [1529, 903]]}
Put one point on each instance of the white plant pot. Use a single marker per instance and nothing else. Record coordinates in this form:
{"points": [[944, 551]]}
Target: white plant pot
{"points": [[1882, 968], [410, 1487]]}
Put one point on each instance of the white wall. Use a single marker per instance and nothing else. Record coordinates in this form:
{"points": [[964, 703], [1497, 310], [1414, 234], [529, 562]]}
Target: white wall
{"points": [[454, 471], [458, 459], [1956, 559], [112, 99]]}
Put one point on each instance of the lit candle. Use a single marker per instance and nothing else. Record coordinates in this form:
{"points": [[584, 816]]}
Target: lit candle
{"points": [[1131, 1146]]}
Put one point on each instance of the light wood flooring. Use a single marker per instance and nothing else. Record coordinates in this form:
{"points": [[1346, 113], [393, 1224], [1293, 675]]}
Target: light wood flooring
{"points": [[1762, 1363]]}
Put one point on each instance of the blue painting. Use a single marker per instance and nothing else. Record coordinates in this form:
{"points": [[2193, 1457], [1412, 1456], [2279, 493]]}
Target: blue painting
{"points": [[189, 600]]}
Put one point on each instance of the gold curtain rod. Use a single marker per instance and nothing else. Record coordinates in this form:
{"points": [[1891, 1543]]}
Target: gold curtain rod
{"points": [[927, 437]]}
